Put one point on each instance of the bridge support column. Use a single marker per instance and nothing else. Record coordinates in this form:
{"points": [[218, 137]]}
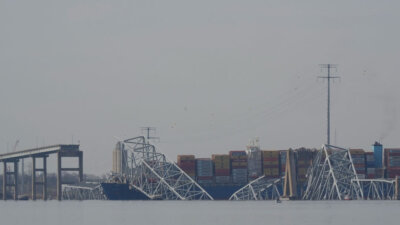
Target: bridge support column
{"points": [[5, 180], [15, 180], [397, 189], [44, 178], [59, 193], [6, 175], [33, 178], [74, 154], [80, 166]]}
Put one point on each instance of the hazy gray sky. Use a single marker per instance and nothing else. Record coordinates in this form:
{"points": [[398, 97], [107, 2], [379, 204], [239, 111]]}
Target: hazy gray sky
{"points": [[210, 75]]}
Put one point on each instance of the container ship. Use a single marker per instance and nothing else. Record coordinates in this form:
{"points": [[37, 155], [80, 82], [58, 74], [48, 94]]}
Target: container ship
{"points": [[221, 175]]}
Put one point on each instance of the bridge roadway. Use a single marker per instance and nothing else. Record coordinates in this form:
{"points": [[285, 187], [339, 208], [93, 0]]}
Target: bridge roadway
{"points": [[42, 152]]}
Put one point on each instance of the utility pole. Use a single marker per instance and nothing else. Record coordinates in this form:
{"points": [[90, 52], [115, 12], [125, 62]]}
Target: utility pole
{"points": [[329, 78], [148, 130]]}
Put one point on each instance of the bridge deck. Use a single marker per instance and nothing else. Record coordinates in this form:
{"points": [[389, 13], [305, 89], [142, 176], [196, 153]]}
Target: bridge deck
{"points": [[38, 152]]}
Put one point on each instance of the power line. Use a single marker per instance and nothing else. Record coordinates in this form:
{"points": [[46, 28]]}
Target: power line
{"points": [[329, 78]]}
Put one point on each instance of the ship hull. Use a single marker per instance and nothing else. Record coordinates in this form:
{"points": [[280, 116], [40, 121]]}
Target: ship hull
{"points": [[121, 191]]}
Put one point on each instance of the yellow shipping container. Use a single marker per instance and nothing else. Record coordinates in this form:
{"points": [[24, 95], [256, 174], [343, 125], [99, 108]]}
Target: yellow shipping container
{"points": [[235, 164], [267, 171], [302, 171], [221, 161], [357, 151], [270, 154], [302, 180], [185, 157], [271, 171], [243, 163], [275, 171], [303, 162], [220, 157], [191, 174], [270, 163]]}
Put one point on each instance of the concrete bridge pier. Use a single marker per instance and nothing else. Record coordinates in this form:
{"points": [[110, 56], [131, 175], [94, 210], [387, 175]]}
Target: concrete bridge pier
{"points": [[6, 176], [44, 180], [60, 155], [5, 180], [397, 188]]}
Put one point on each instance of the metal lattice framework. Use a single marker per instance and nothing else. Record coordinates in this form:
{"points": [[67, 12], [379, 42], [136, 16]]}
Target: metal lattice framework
{"points": [[332, 176], [83, 192], [151, 173], [261, 188], [377, 189]]}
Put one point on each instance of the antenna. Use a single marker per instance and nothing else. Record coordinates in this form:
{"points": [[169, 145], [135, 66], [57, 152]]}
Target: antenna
{"points": [[329, 78], [147, 130]]}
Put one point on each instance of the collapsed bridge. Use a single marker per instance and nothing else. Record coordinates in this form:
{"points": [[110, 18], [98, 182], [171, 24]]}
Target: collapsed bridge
{"points": [[331, 176], [151, 173]]}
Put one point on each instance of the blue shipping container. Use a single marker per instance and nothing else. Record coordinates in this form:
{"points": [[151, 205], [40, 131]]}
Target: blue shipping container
{"points": [[378, 154]]}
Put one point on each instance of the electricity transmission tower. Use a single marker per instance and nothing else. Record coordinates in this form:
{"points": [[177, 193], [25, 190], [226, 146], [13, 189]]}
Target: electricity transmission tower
{"points": [[328, 67]]}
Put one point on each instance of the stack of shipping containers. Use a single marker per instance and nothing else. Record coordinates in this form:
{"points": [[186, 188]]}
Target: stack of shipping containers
{"points": [[282, 160], [270, 163], [370, 164], [204, 169], [239, 166], [188, 164], [392, 162], [254, 165], [358, 157], [378, 157], [304, 160], [222, 169]]}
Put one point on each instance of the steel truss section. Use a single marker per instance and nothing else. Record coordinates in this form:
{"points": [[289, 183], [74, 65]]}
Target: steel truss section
{"points": [[158, 178], [261, 188], [83, 192], [332, 176], [377, 189]]}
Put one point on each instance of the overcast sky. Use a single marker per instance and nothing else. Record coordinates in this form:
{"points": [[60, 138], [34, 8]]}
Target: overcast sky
{"points": [[210, 75]]}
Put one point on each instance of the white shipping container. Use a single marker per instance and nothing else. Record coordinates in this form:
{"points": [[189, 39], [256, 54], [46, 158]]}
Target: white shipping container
{"points": [[254, 163], [361, 176], [370, 170]]}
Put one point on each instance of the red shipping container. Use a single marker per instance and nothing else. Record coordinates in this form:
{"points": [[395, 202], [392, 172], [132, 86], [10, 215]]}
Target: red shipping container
{"points": [[270, 166], [222, 172], [271, 159]]}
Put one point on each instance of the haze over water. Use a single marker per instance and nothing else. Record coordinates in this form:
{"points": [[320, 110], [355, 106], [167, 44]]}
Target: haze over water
{"points": [[200, 212]]}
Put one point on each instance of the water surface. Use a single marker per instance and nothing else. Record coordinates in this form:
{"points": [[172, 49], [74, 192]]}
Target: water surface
{"points": [[200, 212]]}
